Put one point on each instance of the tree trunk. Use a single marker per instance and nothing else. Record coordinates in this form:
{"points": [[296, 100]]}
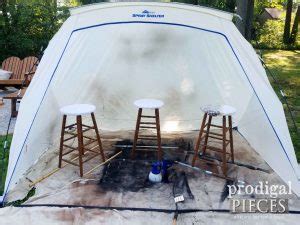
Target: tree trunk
{"points": [[249, 19], [294, 31], [287, 25], [245, 11]]}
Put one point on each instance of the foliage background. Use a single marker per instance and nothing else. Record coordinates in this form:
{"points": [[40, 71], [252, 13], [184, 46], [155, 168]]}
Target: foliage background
{"points": [[4, 160], [27, 26], [270, 34]]}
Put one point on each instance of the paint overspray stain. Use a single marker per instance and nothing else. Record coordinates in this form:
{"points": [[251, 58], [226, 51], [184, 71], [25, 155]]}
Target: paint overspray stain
{"points": [[123, 174], [150, 44]]}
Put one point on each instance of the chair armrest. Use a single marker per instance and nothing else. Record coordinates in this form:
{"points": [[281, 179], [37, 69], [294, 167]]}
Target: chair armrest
{"points": [[29, 73], [27, 79]]}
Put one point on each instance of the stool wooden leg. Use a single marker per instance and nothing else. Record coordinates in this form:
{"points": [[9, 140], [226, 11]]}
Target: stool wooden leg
{"points": [[136, 134], [159, 155], [62, 134], [80, 143], [207, 134], [224, 162], [231, 138], [98, 136], [199, 139]]}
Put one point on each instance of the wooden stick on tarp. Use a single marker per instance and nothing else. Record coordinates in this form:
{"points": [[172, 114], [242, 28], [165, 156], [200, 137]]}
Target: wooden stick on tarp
{"points": [[57, 169], [101, 164], [53, 172], [49, 174]]}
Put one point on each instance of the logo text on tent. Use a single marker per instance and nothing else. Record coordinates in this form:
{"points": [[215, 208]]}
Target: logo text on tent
{"points": [[148, 14], [268, 198]]}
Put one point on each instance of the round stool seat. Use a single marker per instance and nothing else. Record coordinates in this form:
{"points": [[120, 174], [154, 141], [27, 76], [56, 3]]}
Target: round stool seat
{"points": [[224, 110], [211, 110], [148, 103], [77, 109], [227, 110]]}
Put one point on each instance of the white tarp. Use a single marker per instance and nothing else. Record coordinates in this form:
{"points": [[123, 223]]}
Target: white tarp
{"points": [[112, 54]]}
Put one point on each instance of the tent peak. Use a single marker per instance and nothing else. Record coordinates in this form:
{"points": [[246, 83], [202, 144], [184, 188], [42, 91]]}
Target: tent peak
{"points": [[104, 5]]}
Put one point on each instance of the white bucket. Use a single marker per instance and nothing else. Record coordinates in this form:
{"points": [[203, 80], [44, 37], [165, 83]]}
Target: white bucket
{"points": [[4, 74]]}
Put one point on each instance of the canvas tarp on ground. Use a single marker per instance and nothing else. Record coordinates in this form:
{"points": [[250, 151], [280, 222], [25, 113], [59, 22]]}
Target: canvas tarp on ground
{"points": [[114, 53]]}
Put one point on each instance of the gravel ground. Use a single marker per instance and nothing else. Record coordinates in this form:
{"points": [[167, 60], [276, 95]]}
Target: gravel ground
{"points": [[5, 113]]}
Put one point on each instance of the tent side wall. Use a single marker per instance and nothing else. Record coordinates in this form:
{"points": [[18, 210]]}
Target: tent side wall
{"points": [[270, 107], [31, 102]]}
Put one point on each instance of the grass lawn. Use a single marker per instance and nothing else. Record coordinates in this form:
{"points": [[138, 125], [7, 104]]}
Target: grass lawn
{"points": [[3, 161], [285, 65]]}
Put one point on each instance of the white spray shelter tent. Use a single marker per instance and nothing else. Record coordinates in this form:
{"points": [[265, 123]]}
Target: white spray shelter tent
{"points": [[114, 53]]}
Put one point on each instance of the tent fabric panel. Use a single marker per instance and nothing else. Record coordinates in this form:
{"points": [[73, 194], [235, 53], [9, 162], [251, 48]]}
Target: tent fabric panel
{"points": [[267, 97], [187, 8], [78, 48], [257, 130], [30, 108], [34, 96], [72, 71]]}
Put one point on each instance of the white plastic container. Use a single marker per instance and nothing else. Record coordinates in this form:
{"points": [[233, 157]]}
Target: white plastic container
{"points": [[155, 178], [4, 74], [155, 173]]}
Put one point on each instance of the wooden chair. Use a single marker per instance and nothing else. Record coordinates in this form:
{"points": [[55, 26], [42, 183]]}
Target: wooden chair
{"points": [[28, 68], [23, 70], [14, 98]]}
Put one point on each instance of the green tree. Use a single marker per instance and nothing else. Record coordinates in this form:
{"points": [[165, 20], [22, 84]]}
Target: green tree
{"points": [[288, 19], [226, 5], [26, 26], [295, 27], [270, 35]]}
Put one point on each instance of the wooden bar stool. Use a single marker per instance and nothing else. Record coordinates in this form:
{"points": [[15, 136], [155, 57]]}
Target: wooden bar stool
{"points": [[206, 134], [147, 104], [79, 110]]}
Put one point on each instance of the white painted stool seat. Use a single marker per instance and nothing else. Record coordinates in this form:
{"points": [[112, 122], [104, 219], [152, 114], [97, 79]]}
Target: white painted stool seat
{"points": [[148, 103], [211, 110], [227, 110], [78, 109], [224, 110]]}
